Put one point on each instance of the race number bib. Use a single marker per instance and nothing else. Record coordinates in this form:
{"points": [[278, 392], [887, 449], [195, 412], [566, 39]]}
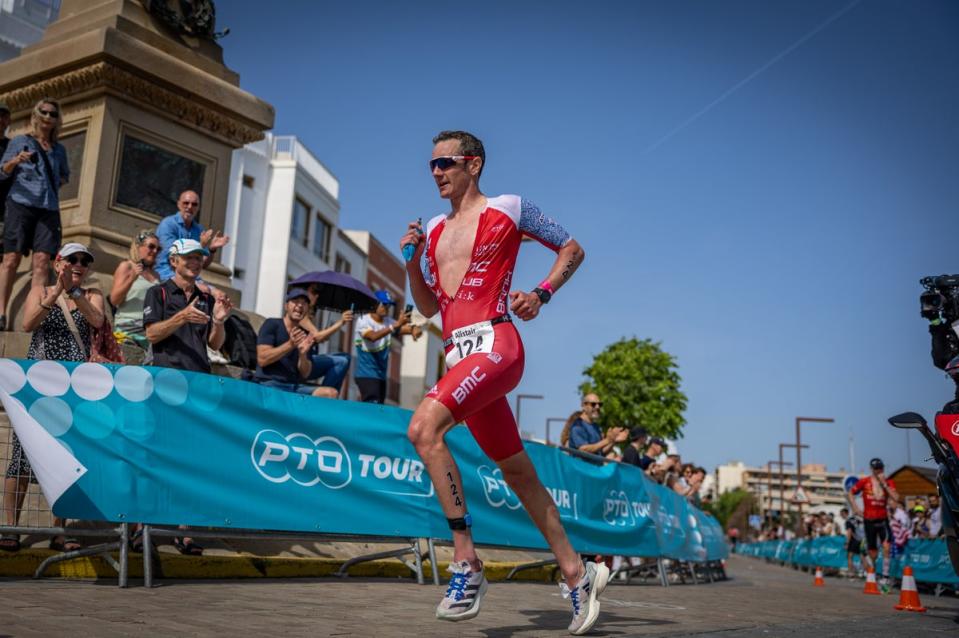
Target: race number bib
{"points": [[468, 340]]}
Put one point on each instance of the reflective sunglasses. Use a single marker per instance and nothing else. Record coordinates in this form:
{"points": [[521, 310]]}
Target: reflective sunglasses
{"points": [[86, 260], [46, 113], [446, 161]]}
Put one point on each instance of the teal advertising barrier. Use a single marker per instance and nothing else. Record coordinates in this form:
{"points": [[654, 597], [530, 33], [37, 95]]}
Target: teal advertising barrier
{"points": [[162, 446], [929, 559]]}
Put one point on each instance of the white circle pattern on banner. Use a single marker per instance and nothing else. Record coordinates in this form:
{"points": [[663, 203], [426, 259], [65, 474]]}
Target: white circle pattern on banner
{"points": [[171, 387], [53, 414], [134, 383], [12, 376], [92, 381], [49, 378]]}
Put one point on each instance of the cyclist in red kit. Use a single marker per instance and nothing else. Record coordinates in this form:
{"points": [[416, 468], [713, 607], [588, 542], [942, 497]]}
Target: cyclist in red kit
{"points": [[876, 490], [462, 268]]}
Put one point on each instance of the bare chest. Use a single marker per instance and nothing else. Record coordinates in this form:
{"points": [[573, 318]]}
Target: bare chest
{"points": [[454, 251]]}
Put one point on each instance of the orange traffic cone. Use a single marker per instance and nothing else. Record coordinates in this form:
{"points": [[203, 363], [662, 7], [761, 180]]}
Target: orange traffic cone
{"points": [[871, 586], [819, 582], [908, 594]]}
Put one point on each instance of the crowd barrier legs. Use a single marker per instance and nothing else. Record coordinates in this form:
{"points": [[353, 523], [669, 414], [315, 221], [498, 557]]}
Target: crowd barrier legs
{"points": [[103, 549], [414, 549], [533, 565], [435, 568]]}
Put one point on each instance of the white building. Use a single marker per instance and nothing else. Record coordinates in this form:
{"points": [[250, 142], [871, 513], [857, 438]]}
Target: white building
{"points": [[282, 217], [22, 22], [424, 362]]}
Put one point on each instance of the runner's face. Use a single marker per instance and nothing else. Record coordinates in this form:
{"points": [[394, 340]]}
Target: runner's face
{"points": [[455, 180]]}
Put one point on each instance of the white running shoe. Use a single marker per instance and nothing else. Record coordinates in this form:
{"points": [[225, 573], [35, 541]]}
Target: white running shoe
{"points": [[585, 597], [464, 593]]}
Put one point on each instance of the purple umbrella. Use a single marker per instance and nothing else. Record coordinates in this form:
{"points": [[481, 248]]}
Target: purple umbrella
{"points": [[339, 291]]}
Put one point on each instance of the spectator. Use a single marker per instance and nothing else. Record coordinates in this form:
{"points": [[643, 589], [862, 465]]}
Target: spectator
{"points": [[826, 526], [659, 471], [284, 351], [183, 225], [374, 335], [131, 281], [637, 441], [180, 319], [36, 165], [935, 517], [695, 484], [61, 319], [900, 526], [585, 435], [331, 366], [4, 141], [920, 522], [854, 537], [564, 435]]}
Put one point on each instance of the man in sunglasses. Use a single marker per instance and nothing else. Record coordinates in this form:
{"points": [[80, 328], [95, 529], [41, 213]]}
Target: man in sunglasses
{"points": [[183, 225], [585, 435], [462, 267]]}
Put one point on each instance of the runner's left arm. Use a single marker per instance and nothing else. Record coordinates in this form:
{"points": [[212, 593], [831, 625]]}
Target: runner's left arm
{"points": [[569, 255]]}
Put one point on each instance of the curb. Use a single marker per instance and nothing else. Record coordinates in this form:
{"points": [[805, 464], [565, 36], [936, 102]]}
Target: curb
{"points": [[24, 563]]}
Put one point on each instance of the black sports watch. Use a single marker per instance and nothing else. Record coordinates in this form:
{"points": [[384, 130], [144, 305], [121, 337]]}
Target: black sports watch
{"points": [[544, 295]]}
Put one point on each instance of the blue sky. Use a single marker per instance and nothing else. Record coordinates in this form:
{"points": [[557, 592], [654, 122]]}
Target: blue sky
{"points": [[759, 186]]}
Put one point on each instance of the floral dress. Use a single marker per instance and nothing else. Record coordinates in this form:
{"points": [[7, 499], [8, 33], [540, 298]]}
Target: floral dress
{"points": [[51, 340]]}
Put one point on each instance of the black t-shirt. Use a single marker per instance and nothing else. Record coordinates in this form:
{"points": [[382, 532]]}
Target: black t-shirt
{"points": [[4, 184], [185, 349], [273, 333], [633, 457]]}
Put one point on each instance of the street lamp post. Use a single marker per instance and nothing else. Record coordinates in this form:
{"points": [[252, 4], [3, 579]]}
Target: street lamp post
{"points": [[782, 477], [799, 421], [519, 400], [548, 421], [769, 482]]}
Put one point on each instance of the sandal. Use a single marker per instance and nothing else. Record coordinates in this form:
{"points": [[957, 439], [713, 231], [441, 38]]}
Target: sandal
{"points": [[187, 547], [66, 545], [136, 541], [10, 543]]}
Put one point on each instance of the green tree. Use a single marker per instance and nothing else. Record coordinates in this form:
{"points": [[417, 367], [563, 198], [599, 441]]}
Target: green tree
{"points": [[639, 385], [733, 508]]}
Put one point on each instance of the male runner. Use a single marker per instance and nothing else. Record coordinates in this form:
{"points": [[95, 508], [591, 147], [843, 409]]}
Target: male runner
{"points": [[470, 254], [875, 490]]}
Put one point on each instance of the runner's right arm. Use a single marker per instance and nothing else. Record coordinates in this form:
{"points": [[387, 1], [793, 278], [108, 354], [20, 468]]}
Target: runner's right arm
{"points": [[422, 295]]}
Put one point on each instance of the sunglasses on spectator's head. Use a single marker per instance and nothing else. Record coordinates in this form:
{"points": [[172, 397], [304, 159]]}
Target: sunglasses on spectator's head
{"points": [[46, 113], [595, 404], [84, 260], [446, 161]]}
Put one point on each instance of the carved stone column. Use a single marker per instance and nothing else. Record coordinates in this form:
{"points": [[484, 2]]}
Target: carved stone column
{"points": [[148, 110]]}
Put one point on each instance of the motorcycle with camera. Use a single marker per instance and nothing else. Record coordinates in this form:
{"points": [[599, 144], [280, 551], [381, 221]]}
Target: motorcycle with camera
{"points": [[940, 305]]}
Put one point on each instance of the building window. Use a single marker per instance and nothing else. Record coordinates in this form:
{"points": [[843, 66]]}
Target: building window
{"points": [[321, 238], [248, 181], [301, 217], [342, 265], [151, 178]]}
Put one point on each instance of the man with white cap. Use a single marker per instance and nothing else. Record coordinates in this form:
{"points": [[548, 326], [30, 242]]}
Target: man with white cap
{"points": [[181, 320]]}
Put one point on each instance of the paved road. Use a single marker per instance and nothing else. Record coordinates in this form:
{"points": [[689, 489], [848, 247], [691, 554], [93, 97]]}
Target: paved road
{"points": [[759, 600]]}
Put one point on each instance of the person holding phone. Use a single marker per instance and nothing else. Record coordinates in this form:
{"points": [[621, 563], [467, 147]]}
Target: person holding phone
{"points": [[37, 165], [373, 338], [131, 281], [180, 319]]}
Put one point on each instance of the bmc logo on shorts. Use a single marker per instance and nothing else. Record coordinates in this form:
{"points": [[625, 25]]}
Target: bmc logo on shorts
{"points": [[497, 491], [466, 385], [297, 457]]}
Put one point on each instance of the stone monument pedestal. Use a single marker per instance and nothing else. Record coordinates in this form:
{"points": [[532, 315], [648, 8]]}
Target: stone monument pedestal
{"points": [[148, 111]]}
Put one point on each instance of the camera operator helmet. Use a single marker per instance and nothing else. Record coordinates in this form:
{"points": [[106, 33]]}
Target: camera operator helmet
{"points": [[877, 464]]}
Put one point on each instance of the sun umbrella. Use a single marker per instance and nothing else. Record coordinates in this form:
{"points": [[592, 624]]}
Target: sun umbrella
{"points": [[338, 291]]}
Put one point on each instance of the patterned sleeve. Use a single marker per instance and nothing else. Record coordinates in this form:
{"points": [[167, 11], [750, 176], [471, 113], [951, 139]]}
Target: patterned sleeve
{"points": [[534, 223]]}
